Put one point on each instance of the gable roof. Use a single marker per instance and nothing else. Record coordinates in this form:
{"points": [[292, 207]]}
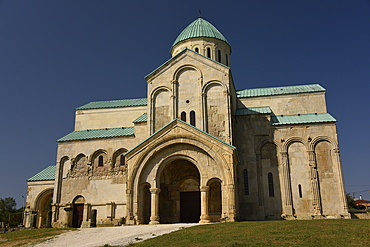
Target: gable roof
{"points": [[199, 28], [98, 133], [178, 120], [179, 54], [114, 104], [47, 174], [253, 110], [269, 91], [302, 118]]}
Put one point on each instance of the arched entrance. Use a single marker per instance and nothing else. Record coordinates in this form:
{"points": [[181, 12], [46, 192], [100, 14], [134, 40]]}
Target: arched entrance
{"points": [[43, 208], [78, 211], [179, 198], [214, 200]]}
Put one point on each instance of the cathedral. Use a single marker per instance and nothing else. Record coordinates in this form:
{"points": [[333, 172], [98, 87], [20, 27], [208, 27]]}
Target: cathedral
{"points": [[196, 149]]}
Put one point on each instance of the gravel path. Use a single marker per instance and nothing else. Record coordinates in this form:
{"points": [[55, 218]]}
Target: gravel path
{"points": [[116, 236]]}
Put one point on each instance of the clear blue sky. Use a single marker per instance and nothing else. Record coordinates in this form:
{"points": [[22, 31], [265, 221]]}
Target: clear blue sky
{"points": [[58, 55]]}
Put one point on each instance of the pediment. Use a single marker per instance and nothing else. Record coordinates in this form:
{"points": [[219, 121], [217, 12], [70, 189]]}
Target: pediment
{"points": [[179, 132], [187, 56]]}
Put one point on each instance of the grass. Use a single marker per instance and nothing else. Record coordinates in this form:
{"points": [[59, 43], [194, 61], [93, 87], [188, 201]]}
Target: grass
{"points": [[19, 238], [269, 233]]}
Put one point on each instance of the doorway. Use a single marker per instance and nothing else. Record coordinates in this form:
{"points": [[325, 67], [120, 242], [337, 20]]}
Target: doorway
{"points": [[78, 212], [190, 206]]}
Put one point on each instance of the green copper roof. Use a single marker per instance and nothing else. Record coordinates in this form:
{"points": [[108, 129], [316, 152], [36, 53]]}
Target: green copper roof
{"points": [[98, 133], [47, 174], [253, 110], [257, 92], [199, 28], [142, 118], [114, 104], [302, 118]]}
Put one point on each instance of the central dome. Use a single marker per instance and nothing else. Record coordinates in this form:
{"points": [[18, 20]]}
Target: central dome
{"points": [[199, 28]]}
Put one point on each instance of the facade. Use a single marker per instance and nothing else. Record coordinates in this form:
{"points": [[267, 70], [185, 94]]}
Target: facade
{"points": [[196, 150]]}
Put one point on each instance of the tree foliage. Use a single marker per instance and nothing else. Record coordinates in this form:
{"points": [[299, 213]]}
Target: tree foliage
{"points": [[7, 207]]}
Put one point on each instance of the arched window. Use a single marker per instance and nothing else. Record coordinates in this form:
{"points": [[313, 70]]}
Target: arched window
{"points": [[219, 56], [122, 160], [300, 190], [226, 60], [209, 52], [271, 185], [246, 185], [192, 118], [197, 49], [100, 160], [183, 116]]}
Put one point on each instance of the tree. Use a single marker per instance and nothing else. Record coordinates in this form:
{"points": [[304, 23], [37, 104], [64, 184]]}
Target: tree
{"points": [[350, 201], [7, 207]]}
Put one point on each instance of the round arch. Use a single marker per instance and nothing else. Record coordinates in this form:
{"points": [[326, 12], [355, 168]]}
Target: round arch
{"points": [[43, 207]]}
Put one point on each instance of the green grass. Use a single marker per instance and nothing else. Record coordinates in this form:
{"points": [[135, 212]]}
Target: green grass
{"points": [[270, 233], [28, 236]]}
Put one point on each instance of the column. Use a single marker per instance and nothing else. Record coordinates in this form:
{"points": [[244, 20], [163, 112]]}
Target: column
{"points": [[130, 220], [314, 183], [154, 218], [204, 217], [231, 217], [260, 181], [288, 204], [337, 162]]}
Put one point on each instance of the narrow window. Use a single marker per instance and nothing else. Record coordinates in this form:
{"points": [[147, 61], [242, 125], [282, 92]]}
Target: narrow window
{"points": [[192, 118], [226, 60], [271, 185], [300, 190], [183, 116], [100, 160], [246, 185], [122, 160], [209, 52], [219, 56], [197, 49]]}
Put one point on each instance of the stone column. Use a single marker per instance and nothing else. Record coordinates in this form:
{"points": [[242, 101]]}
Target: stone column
{"points": [[337, 163], [174, 99], [231, 217], [129, 210], [154, 218], [288, 204], [314, 183], [204, 217], [260, 181]]}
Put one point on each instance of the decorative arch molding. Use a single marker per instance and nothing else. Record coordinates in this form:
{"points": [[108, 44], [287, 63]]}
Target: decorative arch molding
{"points": [[96, 154], [166, 143], [260, 145], [214, 179], [155, 91], [214, 82], [291, 140], [79, 199], [318, 139], [41, 197], [180, 69], [116, 154]]}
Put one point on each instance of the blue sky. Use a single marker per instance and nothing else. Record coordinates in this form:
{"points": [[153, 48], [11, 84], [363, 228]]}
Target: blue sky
{"points": [[58, 55]]}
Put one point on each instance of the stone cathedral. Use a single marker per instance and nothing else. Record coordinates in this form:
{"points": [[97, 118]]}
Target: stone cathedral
{"points": [[195, 150]]}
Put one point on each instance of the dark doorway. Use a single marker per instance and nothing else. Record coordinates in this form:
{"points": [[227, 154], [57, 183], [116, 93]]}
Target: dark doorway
{"points": [[190, 206], [78, 212]]}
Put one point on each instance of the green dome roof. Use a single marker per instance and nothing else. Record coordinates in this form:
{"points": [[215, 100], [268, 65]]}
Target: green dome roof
{"points": [[199, 28]]}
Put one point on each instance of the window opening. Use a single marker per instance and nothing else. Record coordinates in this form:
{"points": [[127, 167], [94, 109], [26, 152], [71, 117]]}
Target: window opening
{"points": [[183, 116], [192, 118], [246, 185], [219, 56], [100, 160], [122, 160], [271, 185], [197, 49], [227, 60], [209, 52], [300, 190]]}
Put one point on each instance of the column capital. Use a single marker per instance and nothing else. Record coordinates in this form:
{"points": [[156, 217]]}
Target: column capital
{"points": [[155, 190], [173, 81], [204, 188]]}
